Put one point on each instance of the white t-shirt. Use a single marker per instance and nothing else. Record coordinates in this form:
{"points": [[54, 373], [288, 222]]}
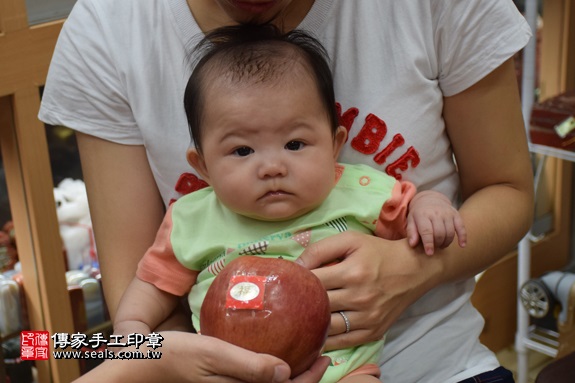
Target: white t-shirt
{"points": [[120, 69]]}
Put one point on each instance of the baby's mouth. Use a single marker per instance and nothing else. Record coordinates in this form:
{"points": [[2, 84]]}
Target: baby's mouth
{"points": [[275, 193]]}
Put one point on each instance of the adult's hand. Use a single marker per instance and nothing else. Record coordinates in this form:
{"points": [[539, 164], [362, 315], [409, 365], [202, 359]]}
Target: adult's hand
{"points": [[378, 279], [374, 281], [196, 358]]}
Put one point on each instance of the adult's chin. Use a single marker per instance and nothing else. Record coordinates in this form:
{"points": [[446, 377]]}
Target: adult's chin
{"points": [[253, 11]]}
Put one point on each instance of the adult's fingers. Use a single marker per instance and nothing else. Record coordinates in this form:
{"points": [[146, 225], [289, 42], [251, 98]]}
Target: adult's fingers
{"points": [[315, 372], [337, 325], [351, 339], [228, 363], [328, 250]]}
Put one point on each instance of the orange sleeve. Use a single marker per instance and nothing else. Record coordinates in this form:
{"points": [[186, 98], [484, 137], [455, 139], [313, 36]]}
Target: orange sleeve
{"points": [[160, 267], [392, 220], [366, 369]]}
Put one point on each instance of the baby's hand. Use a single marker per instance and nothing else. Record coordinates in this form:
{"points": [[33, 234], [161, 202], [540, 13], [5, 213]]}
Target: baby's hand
{"points": [[432, 217]]}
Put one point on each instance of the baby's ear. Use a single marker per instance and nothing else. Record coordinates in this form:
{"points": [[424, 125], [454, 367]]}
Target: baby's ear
{"points": [[196, 160], [338, 140]]}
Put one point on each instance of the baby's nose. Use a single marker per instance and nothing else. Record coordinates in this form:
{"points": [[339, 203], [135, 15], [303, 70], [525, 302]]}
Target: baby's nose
{"points": [[272, 167]]}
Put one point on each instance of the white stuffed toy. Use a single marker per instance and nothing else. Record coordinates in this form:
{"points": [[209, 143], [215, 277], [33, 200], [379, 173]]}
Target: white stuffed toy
{"points": [[75, 224]]}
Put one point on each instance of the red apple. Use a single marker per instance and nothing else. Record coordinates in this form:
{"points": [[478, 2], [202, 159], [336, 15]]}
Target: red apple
{"points": [[271, 306]]}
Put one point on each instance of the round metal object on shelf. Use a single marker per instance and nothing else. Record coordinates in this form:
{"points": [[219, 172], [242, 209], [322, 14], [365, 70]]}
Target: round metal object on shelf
{"points": [[536, 298]]}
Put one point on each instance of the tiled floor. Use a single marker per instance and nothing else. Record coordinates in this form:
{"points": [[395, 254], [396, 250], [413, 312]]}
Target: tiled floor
{"points": [[508, 359]]}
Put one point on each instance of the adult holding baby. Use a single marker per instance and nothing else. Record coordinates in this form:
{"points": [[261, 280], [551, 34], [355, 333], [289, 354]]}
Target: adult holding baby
{"points": [[418, 84]]}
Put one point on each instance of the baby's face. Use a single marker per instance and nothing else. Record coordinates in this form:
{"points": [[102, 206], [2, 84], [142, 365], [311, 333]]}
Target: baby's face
{"points": [[269, 152]]}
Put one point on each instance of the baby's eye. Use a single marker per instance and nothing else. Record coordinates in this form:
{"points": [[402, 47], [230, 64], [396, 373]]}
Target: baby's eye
{"points": [[243, 151], [294, 145]]}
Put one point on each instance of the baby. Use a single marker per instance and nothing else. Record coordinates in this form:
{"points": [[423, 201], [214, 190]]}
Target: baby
{"points": [[262, 115]]}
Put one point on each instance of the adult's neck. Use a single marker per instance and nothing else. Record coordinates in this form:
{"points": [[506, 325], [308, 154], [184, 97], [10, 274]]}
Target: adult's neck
{"points": [[209, 15]]}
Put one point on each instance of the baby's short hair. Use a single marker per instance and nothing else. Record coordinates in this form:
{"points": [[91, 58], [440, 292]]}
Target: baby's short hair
{"points": [[255, 54]]}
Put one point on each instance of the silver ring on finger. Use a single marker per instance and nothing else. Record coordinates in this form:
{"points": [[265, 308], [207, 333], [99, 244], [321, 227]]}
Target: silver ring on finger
{"points": [[346, 321]]}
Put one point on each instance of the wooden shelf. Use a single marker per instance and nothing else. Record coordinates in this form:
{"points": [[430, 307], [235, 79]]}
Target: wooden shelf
{"points": [[497, 288], [25, 54], [552, 152]]}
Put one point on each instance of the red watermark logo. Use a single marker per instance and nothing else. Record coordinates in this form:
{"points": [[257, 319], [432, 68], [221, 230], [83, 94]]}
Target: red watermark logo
{"points": [[34, 345]]}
